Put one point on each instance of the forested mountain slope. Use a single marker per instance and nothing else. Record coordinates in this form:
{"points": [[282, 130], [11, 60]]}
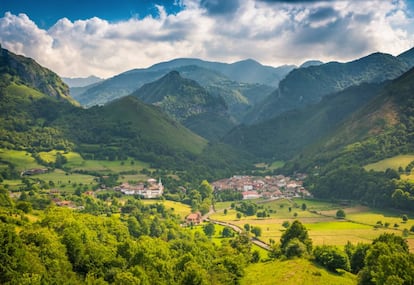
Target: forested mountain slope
{"points": [[308, 85], [188, 102], [289, 133]]}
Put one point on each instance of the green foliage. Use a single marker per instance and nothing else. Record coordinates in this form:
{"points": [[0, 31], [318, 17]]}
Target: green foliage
{"points": [[209, 229], [227, 232], [388, 259], [295, 240], [331, 257], [340, 214], [286, 224], [247, 207], [257, 231]]}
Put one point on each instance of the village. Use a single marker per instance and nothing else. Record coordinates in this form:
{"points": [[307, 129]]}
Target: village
{"points": [[268, 187]]}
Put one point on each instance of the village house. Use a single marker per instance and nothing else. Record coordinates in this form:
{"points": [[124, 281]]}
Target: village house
{"points": [[152, 190], [251, 195], [194, 219]]}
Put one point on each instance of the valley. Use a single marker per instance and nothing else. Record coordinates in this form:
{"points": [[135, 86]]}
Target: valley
{"points": [[313, 161]]}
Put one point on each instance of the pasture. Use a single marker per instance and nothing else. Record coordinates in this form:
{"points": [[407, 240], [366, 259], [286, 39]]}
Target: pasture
{"points": [[361, 224], [178, 208], [22, 160], [293, 272], [66, 181], [393, 163]]}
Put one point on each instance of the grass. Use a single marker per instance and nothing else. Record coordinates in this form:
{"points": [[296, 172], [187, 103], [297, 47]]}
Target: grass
{"points": [[21, 159], [179, 208], [293, 272], [66, 181], [273, 166], [76, 162], [393, 162], [323, 226]]}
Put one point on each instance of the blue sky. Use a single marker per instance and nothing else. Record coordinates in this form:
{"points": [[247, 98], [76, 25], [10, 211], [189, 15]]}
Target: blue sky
{"points": [[103, 38], [45, 13]]}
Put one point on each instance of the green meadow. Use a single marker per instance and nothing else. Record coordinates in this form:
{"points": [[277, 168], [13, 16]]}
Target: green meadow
{"points": [[293, 272], [22, 160], [65, 180], [179, 208], [393, 163], [362, 224]]}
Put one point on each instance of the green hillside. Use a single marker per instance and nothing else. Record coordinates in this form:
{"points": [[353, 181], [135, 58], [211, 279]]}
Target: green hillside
{"points": [[288, 134], [21, 70], [381, 129]]}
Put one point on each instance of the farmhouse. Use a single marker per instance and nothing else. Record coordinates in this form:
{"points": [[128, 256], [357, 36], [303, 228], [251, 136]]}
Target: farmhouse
{"points": [[194, 218]]}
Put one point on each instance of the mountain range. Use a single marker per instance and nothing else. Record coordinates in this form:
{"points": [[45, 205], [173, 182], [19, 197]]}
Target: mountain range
{"points": [[185, 116]]}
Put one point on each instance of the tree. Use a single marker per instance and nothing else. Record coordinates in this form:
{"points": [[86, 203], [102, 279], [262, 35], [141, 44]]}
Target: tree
{"points": [[304, 207], [331, 257], [404, 218], [205, 189], [257, 231], [295, 248], [24, 206], [340, 214], [227, 232], [388, 259], [255, 256], [286, 224], [209, 229], [296, 231], [247, 227]]}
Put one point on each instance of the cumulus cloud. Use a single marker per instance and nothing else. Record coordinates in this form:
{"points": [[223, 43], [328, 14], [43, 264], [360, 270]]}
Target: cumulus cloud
{"points": [[274, 32]]}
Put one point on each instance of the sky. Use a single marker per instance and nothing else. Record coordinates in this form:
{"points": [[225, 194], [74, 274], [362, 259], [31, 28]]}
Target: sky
{"points": [[79, 38]]}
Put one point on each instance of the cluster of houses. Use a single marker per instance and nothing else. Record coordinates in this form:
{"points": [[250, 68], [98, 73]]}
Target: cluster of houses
{"points": [[270, 187], [148, 190]]}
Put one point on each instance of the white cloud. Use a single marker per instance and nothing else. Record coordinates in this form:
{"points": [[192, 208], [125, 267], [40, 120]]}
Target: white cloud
{"points": [[274, 33]]}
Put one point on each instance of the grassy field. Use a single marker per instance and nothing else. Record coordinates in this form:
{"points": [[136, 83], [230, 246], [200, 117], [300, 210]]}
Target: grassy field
{"points": [[66, 181], [293, 272], [21, 159], [393, 162], [360, 224], [274, 165], [76, 162], [179, 208]]}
